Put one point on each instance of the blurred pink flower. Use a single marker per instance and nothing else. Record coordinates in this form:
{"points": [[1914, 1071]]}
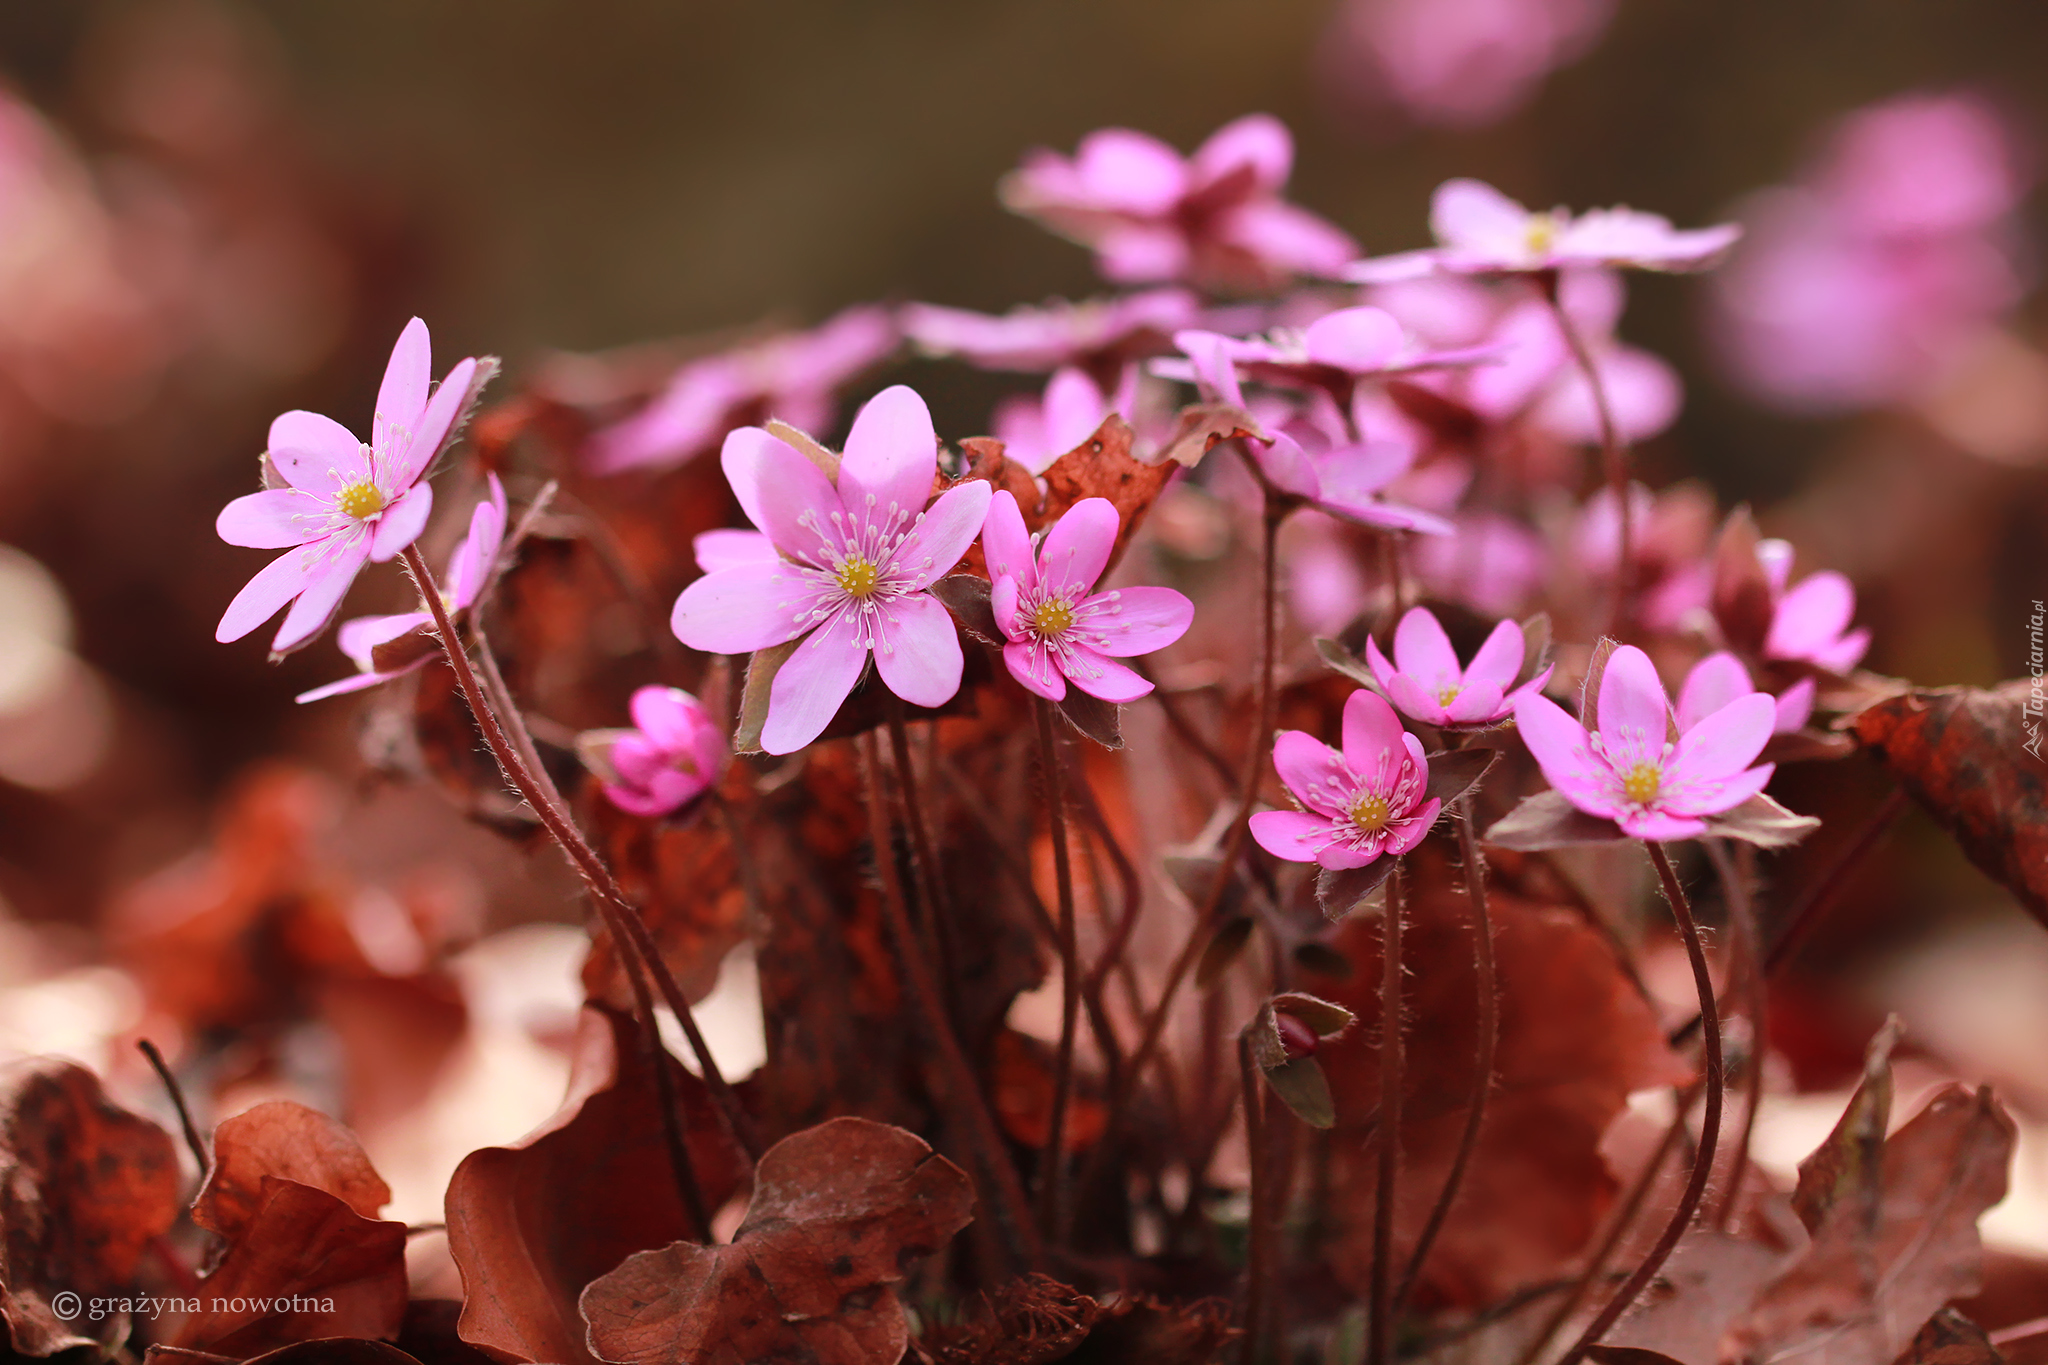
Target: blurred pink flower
{"points": [[858, 553], [1673, 576], [665, 762], [1810, 622], [793, 377], [1452, 63], [1367, 800], [1425, 681], [1863, 281], [1347, 481], [1037, 431], [344, 502], [1490, 562], [1090, 333], [1215, 218], [1481, 231], [1720, 678], [1629, 769], [1060, 630], [1333, 354], [469, 569]]}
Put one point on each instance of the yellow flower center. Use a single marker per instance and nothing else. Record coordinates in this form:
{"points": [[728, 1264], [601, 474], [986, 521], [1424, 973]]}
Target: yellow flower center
{"points": [[1052, 617], [1448, 693], [1370, 814], [1541, 233], [359, 500], [1642, 783], [859, 577]]}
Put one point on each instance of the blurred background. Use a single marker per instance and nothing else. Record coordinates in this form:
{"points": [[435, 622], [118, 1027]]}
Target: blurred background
{"points": [[213, 211]]}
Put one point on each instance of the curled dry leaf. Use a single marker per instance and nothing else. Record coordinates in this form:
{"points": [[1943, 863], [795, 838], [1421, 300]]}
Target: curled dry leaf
{"points": [[839, 1212], [306, 1257], [1975, 759], [529, 1225], [1201, 426], [1103, 467], [85, 1186], [289, 1141], [1030, 1321], [1575, 1041]]}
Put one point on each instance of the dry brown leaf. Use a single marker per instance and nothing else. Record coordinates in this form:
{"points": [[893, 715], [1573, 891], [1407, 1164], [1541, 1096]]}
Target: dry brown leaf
{"points": [[85, 1187], [531, 1224], [1103, 467], [839, 1213], [291, 1142]]}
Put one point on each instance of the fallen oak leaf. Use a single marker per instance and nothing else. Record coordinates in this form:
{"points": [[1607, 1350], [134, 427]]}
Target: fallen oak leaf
{"points": [[838, 1211], [1975, 760], [532, 1223], [85, 1187]]}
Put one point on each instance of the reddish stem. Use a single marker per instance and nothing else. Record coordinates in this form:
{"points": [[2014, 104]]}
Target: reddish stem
{"points": [[1052, 1212], [1380, 1339]]}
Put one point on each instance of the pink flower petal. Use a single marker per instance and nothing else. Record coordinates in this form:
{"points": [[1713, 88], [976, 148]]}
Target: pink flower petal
{"points": [[722, 549], [1475, 216], [812, 684], [891, 456], [1314, 772], [1006, 545], [402, 398], [1403, 835], [411, 459], [1074, 408], [1286, 237], [1030, 663], [1559, 745], [1499, 660], [1414, 700], [1142, 253], [777, 488], [1711, 796], [1477, 703], [1360, 340], [942, 533], [1287, 466], [360, 637], [1076, 549], [1423, 651], [401, 523], [1635, 718], [1103, 677], [1811, 616], [1291, 835], [1845, 653], [316, 454], [1213, 357], [1656, 825], [1795, 706], [1258, 142], [1130, 171], [277, 583], [1002, 604], [1383, 669], [355, 682], [274, 519], [744, 608], [326, 585], [1371, 731], [1133, 621], [917, 649], [471, 564], [669, 716], [1723, 742], [1714, 682]]}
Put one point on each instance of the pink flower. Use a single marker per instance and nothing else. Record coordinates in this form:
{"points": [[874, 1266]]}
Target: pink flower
{"points": [[1864, 282], [1333, 353], [1149, 214], [858, 551], [1720, 678], [1452, 63], [1037, 431], [793, 376], [1490, 563], [1347, 481], [1366, 801], [1425, 681], [664, 763], [344, 502], [1673, 576], [1089, 333], [1480, 231], [1060, 630], [469, 570], [1810, 623], [1628, 767]]}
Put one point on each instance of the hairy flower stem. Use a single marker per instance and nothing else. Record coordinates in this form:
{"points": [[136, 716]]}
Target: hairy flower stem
{"points": [[177, 1094], [618, 913], [1256, 758], [1736, 880], [1259, 1267], [672, 1129], [1379, 1347], [1715, 1080], [1613, 455], [1052, 1180], [938, 916], [1482, 1064], [960, 1090]]}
